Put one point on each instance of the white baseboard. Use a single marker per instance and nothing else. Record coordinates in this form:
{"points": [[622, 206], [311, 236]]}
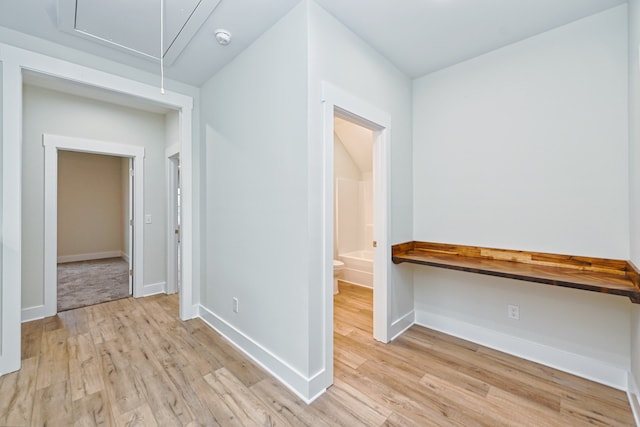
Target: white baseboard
{"points": [[633, 392], [89, 257], [32, 313], [402, 324], [285, 373], [153, 289], [577, 364], [125, 257]]}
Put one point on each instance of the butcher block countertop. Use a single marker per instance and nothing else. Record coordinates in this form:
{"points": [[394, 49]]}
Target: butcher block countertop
{"points": [[608, 276]]}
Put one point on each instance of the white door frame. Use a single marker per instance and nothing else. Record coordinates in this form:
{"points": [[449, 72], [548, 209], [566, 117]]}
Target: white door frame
{"points": [[337, 101], [54, 143], [172, 154], [14, 60], [11, 217], [129, 224]]}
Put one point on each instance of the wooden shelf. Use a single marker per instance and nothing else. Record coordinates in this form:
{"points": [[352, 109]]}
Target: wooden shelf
{"points": [[607, 276]]}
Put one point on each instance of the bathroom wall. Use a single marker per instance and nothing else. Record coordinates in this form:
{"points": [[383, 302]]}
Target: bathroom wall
{"points": [[353, 202]]}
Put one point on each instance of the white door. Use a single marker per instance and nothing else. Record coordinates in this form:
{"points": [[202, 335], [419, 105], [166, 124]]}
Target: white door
{"points": [[174, 226]]}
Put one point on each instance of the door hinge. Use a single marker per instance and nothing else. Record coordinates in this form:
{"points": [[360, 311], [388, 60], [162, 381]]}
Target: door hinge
{"points": [[375, 244], [131, 172], [131, 272]]}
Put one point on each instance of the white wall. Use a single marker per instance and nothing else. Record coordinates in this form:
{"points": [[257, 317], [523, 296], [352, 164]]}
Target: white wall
{"points": [[634, 171], [526, 148], [1, 198], [263, 185], [46, 111], [90, 205], [255, 126]]}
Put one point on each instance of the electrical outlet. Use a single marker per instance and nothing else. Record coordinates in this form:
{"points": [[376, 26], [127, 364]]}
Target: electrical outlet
{"points": [[235, 304], [513, 312]]}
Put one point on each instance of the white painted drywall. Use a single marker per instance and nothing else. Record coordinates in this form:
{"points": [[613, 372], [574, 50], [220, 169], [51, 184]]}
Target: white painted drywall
{"points": [[47, 111], [634, 169], [337, 56], [90, 204], [526, 148], [1, 198], [254, 112]]}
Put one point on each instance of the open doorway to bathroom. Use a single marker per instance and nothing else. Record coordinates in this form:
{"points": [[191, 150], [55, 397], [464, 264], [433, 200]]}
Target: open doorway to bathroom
{"points": [[357, 315], [353, 227]]}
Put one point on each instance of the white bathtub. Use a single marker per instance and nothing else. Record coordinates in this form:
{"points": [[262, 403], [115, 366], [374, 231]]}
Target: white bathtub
{"points": [[358, 268]]}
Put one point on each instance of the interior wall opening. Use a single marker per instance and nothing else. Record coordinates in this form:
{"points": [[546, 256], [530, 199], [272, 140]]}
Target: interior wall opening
{"points": [[95, 217], [353, 226]]}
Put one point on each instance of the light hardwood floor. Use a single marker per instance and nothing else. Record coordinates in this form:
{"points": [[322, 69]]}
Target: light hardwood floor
{"points": [[131, 362]]}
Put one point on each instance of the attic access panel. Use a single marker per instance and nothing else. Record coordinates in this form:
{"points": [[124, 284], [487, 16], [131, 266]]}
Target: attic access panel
{"points": [[134, 26]]}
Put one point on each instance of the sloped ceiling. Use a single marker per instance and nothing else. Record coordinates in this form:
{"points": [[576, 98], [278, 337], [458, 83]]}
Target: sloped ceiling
{"points": [[358, 142]]}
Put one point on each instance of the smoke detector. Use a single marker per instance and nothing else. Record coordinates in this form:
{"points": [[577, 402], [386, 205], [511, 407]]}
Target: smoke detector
{"points": [[223, 37]]}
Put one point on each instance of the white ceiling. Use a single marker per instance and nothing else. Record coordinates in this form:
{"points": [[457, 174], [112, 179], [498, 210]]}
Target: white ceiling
{"points": [[421, 36], [418, 36]]}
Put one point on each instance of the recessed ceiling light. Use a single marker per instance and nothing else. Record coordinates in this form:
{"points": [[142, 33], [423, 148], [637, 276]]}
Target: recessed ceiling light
{"points": [[223, 37]]}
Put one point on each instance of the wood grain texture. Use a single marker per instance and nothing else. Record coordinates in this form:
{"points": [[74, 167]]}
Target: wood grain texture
{"points": [[602, 275], [133, 363]]}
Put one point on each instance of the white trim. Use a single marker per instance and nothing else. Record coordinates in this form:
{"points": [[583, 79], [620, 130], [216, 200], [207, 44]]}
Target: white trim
{"points": [[337, 101], [32, 313], [633, 393], [90, 256], [399, 326], [281, 370], [124, 256], [11, 215], [186, 207], [153, 289], [53, 143], [577, 364]]}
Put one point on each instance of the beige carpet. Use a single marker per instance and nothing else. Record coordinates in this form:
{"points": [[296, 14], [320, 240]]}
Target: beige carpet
{"points": [[91, 282]]}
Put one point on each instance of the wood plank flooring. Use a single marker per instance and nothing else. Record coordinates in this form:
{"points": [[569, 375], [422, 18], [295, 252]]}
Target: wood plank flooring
{"points": [[132, 363]]}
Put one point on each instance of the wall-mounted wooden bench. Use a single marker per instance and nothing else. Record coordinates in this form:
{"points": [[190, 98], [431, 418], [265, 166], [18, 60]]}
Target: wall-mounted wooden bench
{"points": [[608, 276]]}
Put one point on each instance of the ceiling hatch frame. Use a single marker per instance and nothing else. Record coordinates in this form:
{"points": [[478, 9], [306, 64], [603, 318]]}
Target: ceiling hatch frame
{"points": [[68, 17]]}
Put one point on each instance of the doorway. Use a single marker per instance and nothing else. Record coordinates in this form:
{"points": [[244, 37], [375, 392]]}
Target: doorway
{"points": [[54, 145], [337, 102], [353, 212], [95, 212]]}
